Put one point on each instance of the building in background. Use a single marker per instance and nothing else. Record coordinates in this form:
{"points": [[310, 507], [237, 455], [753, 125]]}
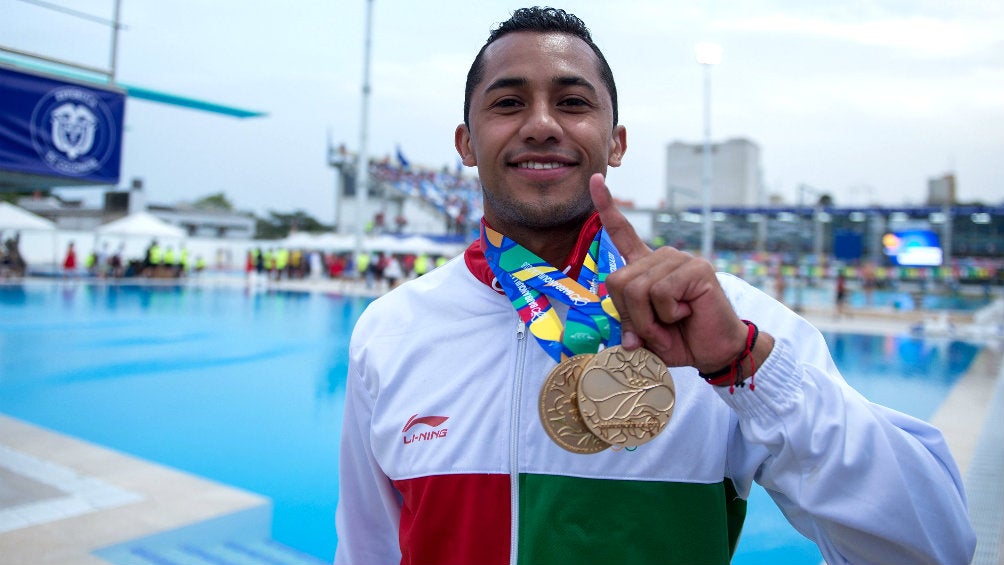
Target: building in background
{"points": [[736, 174], [75, 215], [941, 190]]}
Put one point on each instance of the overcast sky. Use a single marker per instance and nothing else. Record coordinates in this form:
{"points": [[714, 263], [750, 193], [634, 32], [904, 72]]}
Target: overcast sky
{"points": [[864, 100]]}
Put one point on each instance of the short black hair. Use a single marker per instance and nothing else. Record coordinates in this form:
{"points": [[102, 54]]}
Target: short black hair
{"points": [[541, 20]]}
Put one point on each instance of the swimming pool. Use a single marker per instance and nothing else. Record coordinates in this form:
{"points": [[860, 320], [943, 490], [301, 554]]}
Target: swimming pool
{"points": [[247, 388], [905, 373], [823, 294]]}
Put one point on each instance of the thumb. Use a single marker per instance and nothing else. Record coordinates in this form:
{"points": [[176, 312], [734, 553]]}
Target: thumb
{"points": [[628, 244]]}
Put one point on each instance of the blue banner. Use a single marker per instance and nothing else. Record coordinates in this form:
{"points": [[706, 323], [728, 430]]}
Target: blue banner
{"points": [[61, 129]]}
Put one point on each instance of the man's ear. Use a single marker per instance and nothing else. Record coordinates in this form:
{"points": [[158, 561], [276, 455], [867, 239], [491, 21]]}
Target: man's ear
{"points": [[462, 141], [618, 145]]}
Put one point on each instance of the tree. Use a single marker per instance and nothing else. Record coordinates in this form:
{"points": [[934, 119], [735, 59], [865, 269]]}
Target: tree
{"points": [[279, 225], [13, 197], [216, 201]]}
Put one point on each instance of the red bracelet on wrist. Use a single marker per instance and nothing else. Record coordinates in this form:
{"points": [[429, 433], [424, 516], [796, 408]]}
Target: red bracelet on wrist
{"points": [[733, 374]]}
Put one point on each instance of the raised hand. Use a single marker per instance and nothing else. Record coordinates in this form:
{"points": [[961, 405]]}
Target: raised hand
{"points": [[669, 301]]}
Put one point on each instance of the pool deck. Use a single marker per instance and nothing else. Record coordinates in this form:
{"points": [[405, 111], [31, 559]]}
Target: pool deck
{"points": [[62, 498]]}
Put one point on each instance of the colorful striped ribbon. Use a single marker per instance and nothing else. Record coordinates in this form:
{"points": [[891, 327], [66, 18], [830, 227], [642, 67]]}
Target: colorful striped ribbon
{"points": [[529, 282]]}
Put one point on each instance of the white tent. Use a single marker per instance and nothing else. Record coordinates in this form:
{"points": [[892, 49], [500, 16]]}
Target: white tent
{"points": [[420, 244], [411, 244], [141, 224], [133, 234], [386, 243], [16, 218], [323, 241], [36, 237]]}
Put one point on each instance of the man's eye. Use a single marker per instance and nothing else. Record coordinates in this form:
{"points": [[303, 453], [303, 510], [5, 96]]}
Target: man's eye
{"points": [[574, 102], [507, 103]]}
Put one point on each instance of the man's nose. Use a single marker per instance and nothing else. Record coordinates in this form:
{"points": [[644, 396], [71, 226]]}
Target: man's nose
{"points": [[541, 124]]}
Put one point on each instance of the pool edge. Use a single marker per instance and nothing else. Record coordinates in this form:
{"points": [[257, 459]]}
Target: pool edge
{"points": [[164, 499]]}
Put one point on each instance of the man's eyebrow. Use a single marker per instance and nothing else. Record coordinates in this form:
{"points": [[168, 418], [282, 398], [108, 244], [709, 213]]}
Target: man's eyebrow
{"points": [[521, 82], [574, 81], [513, 82]]}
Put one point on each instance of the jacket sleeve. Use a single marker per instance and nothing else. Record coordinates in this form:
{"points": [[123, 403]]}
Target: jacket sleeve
{"points": [[369, 507], [866, 483]]}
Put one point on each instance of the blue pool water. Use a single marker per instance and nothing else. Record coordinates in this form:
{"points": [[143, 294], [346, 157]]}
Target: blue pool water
{"points": [[904, 373], [823, 294], [247, 389]]}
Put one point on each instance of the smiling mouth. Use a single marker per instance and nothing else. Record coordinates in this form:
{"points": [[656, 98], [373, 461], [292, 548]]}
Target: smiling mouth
{"points": [[536, 165]]}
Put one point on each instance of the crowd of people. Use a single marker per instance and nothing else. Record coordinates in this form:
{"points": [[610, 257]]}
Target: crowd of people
{"points": [[455, 195], [163, 262], [267, 264], [375, 268], [378, 269]]}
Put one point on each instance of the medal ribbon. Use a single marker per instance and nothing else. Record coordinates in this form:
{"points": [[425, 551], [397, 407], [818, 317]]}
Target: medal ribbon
{"points": [[529, 282]]}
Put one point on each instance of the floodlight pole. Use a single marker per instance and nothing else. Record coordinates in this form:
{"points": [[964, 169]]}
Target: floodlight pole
{"points": [[946, 236], [817, 241], [708, 55], [362, 160], [115, 42]]}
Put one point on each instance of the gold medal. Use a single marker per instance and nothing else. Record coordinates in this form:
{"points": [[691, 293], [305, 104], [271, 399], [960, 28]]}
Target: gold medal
{"points": [[626, 397], [559, 408]]}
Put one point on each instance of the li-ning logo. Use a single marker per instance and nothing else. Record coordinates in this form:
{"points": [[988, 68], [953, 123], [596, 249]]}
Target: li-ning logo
{"points": [[72, 131], [430, 421]]}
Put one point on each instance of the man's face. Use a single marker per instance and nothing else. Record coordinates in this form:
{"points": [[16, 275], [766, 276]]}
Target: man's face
{"points": [[541, 123]]}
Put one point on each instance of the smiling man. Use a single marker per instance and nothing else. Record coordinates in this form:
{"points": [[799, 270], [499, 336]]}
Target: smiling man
{"points": [[542, 118], [564, 394]]}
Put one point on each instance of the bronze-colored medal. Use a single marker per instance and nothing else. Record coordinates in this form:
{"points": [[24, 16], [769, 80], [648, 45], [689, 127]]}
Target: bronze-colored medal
{"points": [[626, 397], [559, 408]]}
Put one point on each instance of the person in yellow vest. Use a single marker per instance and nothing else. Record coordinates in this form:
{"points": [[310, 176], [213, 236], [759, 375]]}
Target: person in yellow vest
{"points": [[440, 261], [269, 262], [421, 264], [156, 258], [362, 264], [281, 262], [170, 262], [91, 262]]}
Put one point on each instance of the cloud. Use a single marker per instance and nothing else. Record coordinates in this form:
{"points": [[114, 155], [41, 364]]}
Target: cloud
{"points": [[921, 36]]}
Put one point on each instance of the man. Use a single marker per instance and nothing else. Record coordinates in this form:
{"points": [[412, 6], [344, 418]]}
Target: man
{"points": [[449, 451]]}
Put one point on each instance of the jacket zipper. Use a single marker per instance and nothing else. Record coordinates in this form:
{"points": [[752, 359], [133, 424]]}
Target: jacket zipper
{"points": [[514, 441]]}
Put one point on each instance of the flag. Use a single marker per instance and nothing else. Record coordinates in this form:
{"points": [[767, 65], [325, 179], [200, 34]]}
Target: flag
{"points": [[401, 159]]}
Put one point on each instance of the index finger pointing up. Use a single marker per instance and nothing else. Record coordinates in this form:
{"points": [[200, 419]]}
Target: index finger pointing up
{"points": [[621, 231]]}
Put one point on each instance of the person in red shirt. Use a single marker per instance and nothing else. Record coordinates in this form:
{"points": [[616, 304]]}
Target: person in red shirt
{"points": [[70, 262]]}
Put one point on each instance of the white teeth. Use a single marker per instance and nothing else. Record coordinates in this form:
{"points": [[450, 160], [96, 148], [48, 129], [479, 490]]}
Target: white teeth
{"points": [[538, 166]]}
